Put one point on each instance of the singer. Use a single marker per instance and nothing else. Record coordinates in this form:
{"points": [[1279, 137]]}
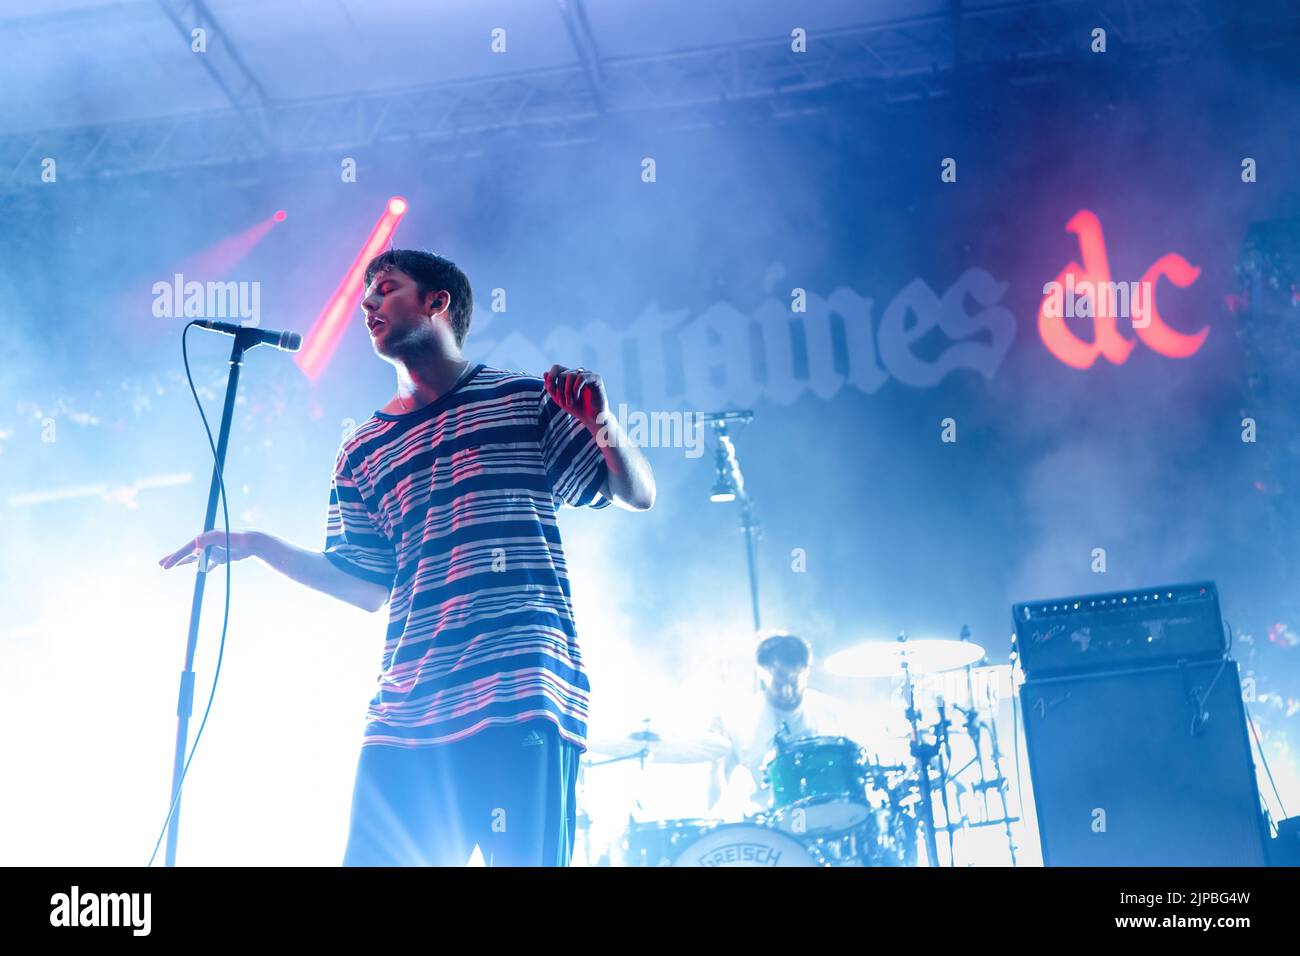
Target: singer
{"points": [[443, 505]]}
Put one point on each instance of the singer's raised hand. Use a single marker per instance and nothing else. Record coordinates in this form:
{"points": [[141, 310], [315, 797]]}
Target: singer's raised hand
{"points": [[578, 391], [243, 544]]}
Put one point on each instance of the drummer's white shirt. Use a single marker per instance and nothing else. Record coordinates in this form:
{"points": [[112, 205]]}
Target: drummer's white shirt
{"points": [[752, 731]]}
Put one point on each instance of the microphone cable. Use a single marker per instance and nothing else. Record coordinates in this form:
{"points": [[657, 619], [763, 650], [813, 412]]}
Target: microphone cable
{"points": [[225, 617]]}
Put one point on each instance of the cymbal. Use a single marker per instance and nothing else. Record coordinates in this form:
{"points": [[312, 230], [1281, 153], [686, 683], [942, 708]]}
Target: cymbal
{"points": [[663, 746], [886, 658]]}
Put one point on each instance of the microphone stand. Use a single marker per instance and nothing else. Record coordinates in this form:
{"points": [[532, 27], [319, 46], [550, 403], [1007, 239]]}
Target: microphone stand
{"points": [[729, 485], [729, 470], [244, 340]]}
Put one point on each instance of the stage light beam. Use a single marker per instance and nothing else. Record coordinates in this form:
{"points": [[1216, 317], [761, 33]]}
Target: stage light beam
{"points": [[323, 337]]}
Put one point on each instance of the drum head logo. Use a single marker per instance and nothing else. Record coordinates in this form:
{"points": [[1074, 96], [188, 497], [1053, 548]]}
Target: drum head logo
{"points": [[742, 854]]}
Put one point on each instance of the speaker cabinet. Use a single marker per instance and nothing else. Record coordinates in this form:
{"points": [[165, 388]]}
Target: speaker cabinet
{"points": [[1144, 767]]}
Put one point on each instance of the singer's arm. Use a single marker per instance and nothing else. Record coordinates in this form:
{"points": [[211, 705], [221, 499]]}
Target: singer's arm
{"points": [[311, 568], [580, 392], [631, 483]]}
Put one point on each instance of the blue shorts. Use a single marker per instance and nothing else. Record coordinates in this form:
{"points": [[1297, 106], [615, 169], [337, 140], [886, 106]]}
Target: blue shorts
{"points": [[510, 790]]}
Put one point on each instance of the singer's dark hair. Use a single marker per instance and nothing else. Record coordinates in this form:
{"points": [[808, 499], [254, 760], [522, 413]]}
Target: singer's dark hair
{"points": [[432, 273], [784, 648]]}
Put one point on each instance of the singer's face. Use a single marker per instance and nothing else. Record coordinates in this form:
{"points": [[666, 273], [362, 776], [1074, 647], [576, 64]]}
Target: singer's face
{"points": [[783, 684], [397, 320]]}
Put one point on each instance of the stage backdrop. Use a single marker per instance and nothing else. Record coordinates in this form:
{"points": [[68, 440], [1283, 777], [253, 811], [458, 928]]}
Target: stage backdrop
{"points": [[934, 437]]}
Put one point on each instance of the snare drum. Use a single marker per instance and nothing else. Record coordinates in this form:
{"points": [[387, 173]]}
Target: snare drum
{"points": [[819, 785], [745, 844]]}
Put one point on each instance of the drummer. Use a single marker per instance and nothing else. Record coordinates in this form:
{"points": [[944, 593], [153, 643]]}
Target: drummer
{"points": [[786, 705]]}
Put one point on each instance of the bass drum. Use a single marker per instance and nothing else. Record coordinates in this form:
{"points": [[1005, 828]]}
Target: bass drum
{"points": [[745, 844], [659, 842]]}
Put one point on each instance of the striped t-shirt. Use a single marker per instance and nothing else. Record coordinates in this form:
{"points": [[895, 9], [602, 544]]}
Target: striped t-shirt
{"points": [[452, 507]]}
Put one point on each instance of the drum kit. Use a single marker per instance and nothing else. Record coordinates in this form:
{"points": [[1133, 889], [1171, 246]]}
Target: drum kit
{"points": [[828, 801]]}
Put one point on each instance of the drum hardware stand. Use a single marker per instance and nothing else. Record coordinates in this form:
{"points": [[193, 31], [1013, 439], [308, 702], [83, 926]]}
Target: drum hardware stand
{"points": [[583, 822], [974, 728], [582, 819], [1001, 782], [923, 753], [941, 739], [986, 783], [640, 755], [647, 734]]}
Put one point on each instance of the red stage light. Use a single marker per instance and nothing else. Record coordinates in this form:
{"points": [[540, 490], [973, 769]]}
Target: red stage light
{"points": [[220, 258], [323, 337], [280, 215]]}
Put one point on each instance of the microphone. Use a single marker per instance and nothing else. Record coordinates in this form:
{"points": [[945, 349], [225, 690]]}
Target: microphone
{"points": [[288, 341], [743, 415]]}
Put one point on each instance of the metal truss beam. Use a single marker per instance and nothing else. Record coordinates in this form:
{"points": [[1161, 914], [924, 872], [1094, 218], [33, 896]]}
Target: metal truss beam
{"points": [[897, 61], [223, 63], [584, 46]]}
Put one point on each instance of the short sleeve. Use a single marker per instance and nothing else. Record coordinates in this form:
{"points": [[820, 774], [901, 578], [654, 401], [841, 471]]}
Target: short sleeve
{"points": [[352, 541], [831, 719], [575, 464]]}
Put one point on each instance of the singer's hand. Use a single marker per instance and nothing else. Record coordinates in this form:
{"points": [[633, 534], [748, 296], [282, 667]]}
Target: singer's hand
{"points": [[578, 391], [243, 544]]}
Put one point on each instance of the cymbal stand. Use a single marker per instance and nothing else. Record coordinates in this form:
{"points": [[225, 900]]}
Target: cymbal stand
{"points": [[975, 727], [943, 758], [923, 754]]}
